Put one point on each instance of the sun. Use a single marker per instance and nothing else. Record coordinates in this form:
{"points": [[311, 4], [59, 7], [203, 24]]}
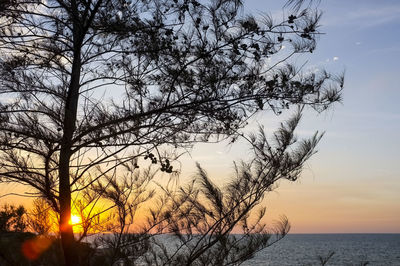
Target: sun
{"points": [[75, 219]]}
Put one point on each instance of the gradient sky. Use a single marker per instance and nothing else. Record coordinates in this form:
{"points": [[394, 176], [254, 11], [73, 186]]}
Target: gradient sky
{"points": [[353, 183]]}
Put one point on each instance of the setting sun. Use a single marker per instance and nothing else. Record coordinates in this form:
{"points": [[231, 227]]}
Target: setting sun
{"points": [[75, 219]]}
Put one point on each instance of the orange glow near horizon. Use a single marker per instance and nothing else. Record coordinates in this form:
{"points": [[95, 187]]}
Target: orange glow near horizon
{"points": [[323, 203]]}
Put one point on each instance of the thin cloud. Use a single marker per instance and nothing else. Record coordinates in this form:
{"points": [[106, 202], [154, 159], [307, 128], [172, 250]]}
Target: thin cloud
{"points": [[366, 17]]}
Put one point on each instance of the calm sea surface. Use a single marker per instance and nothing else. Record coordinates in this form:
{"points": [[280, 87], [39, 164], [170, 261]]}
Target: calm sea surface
{"points": [[350, 249]]}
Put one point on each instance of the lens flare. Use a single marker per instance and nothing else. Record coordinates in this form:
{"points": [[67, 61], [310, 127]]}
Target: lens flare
{"points": [[33, 248]]}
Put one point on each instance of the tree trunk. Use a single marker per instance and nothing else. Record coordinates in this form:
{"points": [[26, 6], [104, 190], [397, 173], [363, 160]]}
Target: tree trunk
{"points": [[67, 234], [70, 113]]}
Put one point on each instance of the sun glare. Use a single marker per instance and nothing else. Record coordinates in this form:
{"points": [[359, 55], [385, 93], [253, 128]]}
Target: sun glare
{"points": [[75, 219]]}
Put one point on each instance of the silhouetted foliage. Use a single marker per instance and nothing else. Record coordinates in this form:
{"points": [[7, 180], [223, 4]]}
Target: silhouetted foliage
{"points": [[324, 259], [329, 258], [204, 216], [88, 88], [199, 223], [41, 218], [12, 218]]}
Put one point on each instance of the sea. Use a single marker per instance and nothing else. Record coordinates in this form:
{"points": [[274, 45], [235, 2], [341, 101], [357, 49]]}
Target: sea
{"points": [[347, 249], [312, 249]]}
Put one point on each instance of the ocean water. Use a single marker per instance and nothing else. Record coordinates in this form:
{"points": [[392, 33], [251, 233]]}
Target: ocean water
{"points": [[304, 250], [350, 249]]}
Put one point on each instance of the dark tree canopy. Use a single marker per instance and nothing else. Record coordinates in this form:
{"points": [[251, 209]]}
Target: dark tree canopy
{"points": [[12, 218], [87, 86]]}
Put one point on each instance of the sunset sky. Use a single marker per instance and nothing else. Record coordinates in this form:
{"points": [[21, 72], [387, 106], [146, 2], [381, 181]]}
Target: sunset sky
{"points": [[352, 185]]}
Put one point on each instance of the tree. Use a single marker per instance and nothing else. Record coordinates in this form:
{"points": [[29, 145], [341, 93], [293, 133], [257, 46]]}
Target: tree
{"points": [[12, 218], [212, 212], [90, 87], [41, 218]]}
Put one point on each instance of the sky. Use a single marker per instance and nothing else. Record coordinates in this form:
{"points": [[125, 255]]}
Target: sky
{"points": [[352, 185]]}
